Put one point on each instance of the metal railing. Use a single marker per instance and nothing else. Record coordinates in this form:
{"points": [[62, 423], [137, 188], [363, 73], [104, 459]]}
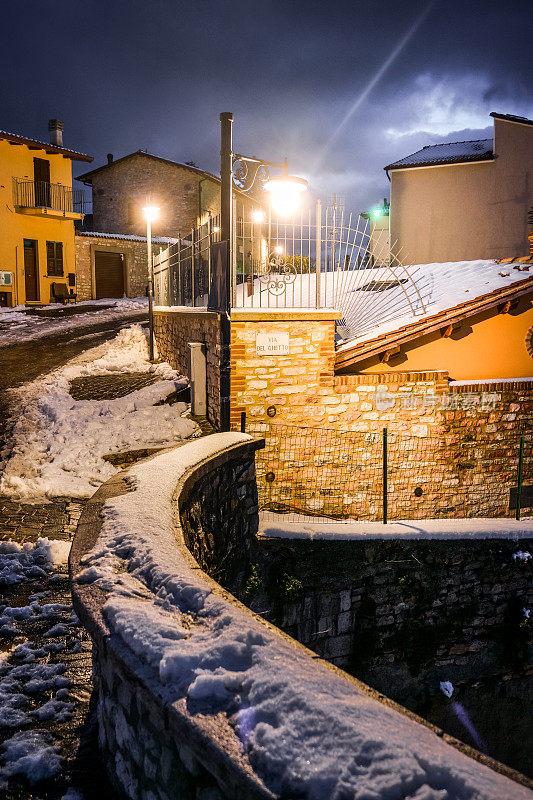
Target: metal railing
{"points": [[321, 258], [42, 194], [182, 272], [326, 474]]}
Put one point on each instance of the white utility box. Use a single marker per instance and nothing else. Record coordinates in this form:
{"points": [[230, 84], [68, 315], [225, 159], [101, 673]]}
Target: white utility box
{"points": [[198, 378]]}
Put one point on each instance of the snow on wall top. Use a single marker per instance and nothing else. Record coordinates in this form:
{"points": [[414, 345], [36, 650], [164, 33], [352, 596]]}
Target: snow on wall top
{"points": [[306, 731], [447, 153]]}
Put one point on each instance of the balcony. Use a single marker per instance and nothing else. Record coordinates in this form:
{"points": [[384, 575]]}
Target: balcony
{"points": [[44, 199]]}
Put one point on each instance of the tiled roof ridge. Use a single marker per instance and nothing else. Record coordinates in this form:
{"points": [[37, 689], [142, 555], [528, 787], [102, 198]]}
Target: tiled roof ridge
{"points": [[134, 237], [48, 145], [461, 141]]}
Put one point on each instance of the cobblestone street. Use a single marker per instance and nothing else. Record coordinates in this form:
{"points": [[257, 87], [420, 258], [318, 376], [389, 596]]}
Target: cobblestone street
{"points": [[68, 652]]}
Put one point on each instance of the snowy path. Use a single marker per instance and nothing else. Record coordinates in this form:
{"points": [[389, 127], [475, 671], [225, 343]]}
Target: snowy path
{"points": [[57, 444], [47, 733]]}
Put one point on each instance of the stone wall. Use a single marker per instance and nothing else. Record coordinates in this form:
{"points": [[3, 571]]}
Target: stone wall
{"points": [[405, 615], [120, 192], [174, 328], [453, 450], [155, 742], [294, 386]]}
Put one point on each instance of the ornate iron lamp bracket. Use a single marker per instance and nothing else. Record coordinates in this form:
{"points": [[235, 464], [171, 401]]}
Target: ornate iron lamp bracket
{"points": [[249, 173]]}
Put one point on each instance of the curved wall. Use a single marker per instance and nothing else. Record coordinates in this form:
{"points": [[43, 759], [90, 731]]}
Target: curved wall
{"points": [[200, 698]]}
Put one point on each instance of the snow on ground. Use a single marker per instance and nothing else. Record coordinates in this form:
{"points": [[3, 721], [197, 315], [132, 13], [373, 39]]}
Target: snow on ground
{"points": [[277, 526], [34, 690], [17, 326], [20, 562], [30, 753], [307, 732], [58, 443]]}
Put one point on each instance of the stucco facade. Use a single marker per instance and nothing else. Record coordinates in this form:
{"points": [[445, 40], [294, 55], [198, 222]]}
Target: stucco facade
{"points": [[28, 222], [466, 211]]}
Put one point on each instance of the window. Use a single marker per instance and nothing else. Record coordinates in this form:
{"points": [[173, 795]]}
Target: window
{"points": [[54, 258]]}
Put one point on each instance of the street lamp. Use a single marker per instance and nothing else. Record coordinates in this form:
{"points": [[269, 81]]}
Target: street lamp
{"points": [[285, 191], [150, 214], [247, 173]]}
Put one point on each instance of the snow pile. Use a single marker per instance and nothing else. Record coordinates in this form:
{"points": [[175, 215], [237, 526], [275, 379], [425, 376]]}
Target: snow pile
{"points": [[16, 326], [307, 732], [20, 562], [31, 754], [58, 443]]}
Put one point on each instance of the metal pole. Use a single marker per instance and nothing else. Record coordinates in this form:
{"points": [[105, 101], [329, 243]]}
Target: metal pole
{"points": [[226, 225], [385, 476], [318, 258], [243, 421], [150, 286], [520, 471]]}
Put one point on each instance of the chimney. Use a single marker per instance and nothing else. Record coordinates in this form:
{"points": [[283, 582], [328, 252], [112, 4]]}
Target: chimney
{"points": [[110, 158], [55, 127]]}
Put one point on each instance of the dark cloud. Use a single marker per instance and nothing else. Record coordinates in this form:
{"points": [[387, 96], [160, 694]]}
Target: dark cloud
{"points": [[125, 74]]}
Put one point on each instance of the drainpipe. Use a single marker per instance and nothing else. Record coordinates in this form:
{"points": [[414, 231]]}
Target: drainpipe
{"points": [[226, 224]]}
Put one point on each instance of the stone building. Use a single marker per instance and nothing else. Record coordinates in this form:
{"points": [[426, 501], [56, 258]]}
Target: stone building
{"points": [[184, 194], [113, 265], [465, 200]]}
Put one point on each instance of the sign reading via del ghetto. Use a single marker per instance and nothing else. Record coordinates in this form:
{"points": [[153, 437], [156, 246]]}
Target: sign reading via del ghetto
{"points": [[272, 344]]}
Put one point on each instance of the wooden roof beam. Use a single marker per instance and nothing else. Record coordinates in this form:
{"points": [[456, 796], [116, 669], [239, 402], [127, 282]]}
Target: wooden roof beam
{"points": [[386, 355]]}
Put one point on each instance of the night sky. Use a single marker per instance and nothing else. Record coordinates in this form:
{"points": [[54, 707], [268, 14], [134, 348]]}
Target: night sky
{"points": [[125, 75]]}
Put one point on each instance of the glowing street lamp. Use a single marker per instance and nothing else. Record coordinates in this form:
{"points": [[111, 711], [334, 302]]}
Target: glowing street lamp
{"points": [[247, 173], [150, 214], [285, 191], [258, 215]]}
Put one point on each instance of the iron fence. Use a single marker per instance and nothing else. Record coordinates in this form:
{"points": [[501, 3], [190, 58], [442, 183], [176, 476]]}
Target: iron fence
{"points": [[42, 194], [182, 272], [316, 473], [321, 258]]}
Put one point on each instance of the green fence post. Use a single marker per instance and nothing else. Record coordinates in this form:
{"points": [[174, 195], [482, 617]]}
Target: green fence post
{"points": [[520, 470], [243, 421], [384, 476]]}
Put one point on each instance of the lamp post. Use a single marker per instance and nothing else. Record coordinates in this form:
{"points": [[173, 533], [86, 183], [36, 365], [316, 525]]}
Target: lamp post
{"points": [[150, 213], [247, 173]]}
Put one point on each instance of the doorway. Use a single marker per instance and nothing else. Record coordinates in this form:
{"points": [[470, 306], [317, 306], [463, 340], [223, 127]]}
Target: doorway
{"points": [[31, 272], [41, 182]]}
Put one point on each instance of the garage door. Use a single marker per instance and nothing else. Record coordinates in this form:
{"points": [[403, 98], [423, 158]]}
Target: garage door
{"points": [[109, 274]]}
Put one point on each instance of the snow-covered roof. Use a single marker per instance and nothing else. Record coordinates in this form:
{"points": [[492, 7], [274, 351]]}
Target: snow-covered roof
{"points": [[127, 237], [445, 290], [75, 155], [447, 153]]}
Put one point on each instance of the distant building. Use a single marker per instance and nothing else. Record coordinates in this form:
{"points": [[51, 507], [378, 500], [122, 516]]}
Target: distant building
{"points": [[465, 200], [378, 248], [185, 195], [38, 208], [111, 257]]}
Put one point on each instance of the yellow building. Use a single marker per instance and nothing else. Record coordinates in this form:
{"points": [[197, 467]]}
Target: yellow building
{"points": [[37, 211]]}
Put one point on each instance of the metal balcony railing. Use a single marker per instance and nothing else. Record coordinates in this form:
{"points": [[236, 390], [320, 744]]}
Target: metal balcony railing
{"points": [[41, 194]]}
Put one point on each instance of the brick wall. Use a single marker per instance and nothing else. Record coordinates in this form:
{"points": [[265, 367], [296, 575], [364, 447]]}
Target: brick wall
{"points": [[174, 328], [453, 450], [135, 257]]}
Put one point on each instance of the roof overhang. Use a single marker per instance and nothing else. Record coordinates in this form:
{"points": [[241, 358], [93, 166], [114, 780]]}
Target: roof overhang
{"points": [[429, 165], [50, 149], [372, 348]]}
